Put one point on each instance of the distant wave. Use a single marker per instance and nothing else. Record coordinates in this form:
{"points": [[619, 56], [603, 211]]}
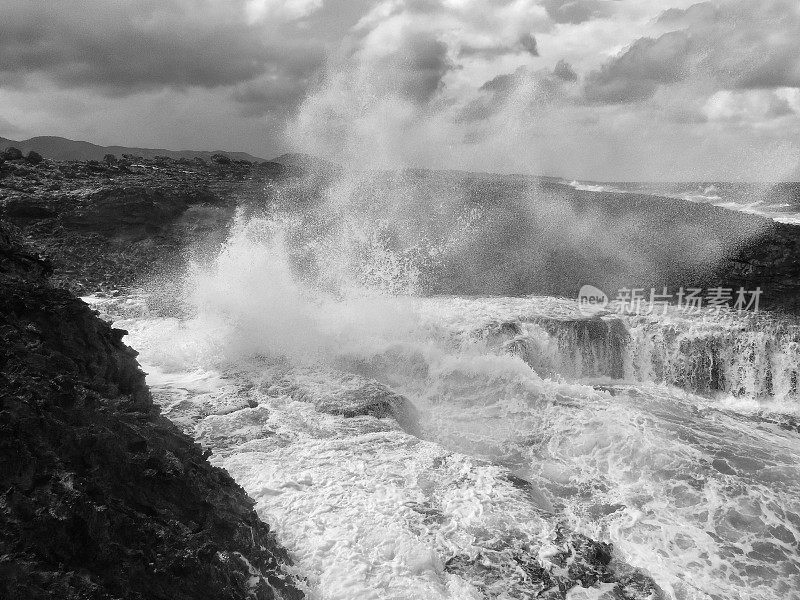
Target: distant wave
{"points": [[775, 211], [727, 196], [587, 187]]}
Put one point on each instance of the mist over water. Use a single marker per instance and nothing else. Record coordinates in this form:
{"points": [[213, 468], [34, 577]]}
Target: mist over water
{"points": [[453, 232]]}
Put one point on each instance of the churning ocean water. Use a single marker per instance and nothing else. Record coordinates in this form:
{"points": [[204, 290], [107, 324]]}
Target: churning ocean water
{"points": [[465, 447]]}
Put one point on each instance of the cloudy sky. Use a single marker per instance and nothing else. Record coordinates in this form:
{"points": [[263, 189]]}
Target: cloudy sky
{"points": [[593, 89]]}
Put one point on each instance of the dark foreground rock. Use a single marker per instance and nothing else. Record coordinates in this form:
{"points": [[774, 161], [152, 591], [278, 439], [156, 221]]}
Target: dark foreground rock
{"points": [[101, 496]]}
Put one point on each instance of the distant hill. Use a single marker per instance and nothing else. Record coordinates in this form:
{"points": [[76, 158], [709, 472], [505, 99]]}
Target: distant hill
{"points": [[58, 148]]}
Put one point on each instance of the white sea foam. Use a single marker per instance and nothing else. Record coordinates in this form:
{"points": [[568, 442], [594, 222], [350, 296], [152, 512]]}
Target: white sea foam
{"points": [[699, 491], [588, 187]]}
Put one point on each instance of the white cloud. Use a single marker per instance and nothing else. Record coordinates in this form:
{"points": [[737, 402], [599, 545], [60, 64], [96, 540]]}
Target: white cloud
{"points": [[751, 106], [259, 10]]}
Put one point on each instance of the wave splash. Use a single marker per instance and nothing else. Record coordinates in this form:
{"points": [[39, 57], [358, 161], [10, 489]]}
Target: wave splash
{"points": [[455, 447]]}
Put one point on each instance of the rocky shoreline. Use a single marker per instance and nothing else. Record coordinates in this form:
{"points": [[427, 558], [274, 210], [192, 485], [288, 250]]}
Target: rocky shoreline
{"points": [[101, 496], [110, 225], [114, 225]]}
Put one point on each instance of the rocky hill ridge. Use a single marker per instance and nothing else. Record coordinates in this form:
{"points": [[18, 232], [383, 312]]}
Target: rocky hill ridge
{"points": [[59, 148]]}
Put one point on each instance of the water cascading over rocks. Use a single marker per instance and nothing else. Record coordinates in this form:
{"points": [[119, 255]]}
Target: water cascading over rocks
{"points": [[755, 357]]}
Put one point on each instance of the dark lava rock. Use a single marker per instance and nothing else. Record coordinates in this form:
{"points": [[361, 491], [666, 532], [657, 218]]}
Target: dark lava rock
{"points": [[34, 157], [356, 396], [578, 561], [374, 399], [113, 224], [770, 261], [12, 153], [101, 496]]}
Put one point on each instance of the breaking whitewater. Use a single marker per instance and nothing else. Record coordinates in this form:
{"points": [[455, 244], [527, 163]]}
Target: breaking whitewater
{"points": [[413, 446]]}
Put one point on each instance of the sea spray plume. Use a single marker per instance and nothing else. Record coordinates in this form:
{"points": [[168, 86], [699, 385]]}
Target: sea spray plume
{"points": [[251, 294], [368, 232], [394, 93], [393, 98], [386, 102], [363, 251], [256, 299], [618, 243], [433, 232], [368, 124]]}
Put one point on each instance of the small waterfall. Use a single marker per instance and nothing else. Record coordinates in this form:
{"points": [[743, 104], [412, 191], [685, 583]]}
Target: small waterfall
{"points": [[757, 358], [573, 348]]}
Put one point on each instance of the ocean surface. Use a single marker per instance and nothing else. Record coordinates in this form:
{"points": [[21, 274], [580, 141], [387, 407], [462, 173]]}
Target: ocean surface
{"points": [[459, 447], [778, 201]]}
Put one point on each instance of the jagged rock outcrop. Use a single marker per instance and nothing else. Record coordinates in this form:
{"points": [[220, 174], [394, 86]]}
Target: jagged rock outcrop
{"points": [[100, 495]]}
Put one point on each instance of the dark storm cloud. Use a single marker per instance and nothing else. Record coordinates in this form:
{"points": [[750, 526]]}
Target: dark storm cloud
{"points": [[500, 84], [536, 88], [279, 91], [758, 47], [475, 111], [684, 116], [277, 96], [778, 71], [577, 11], [416, 70], [564, 71], [496, 92], [778, 107], [635, 74], [121, 48], [528, 42]]}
